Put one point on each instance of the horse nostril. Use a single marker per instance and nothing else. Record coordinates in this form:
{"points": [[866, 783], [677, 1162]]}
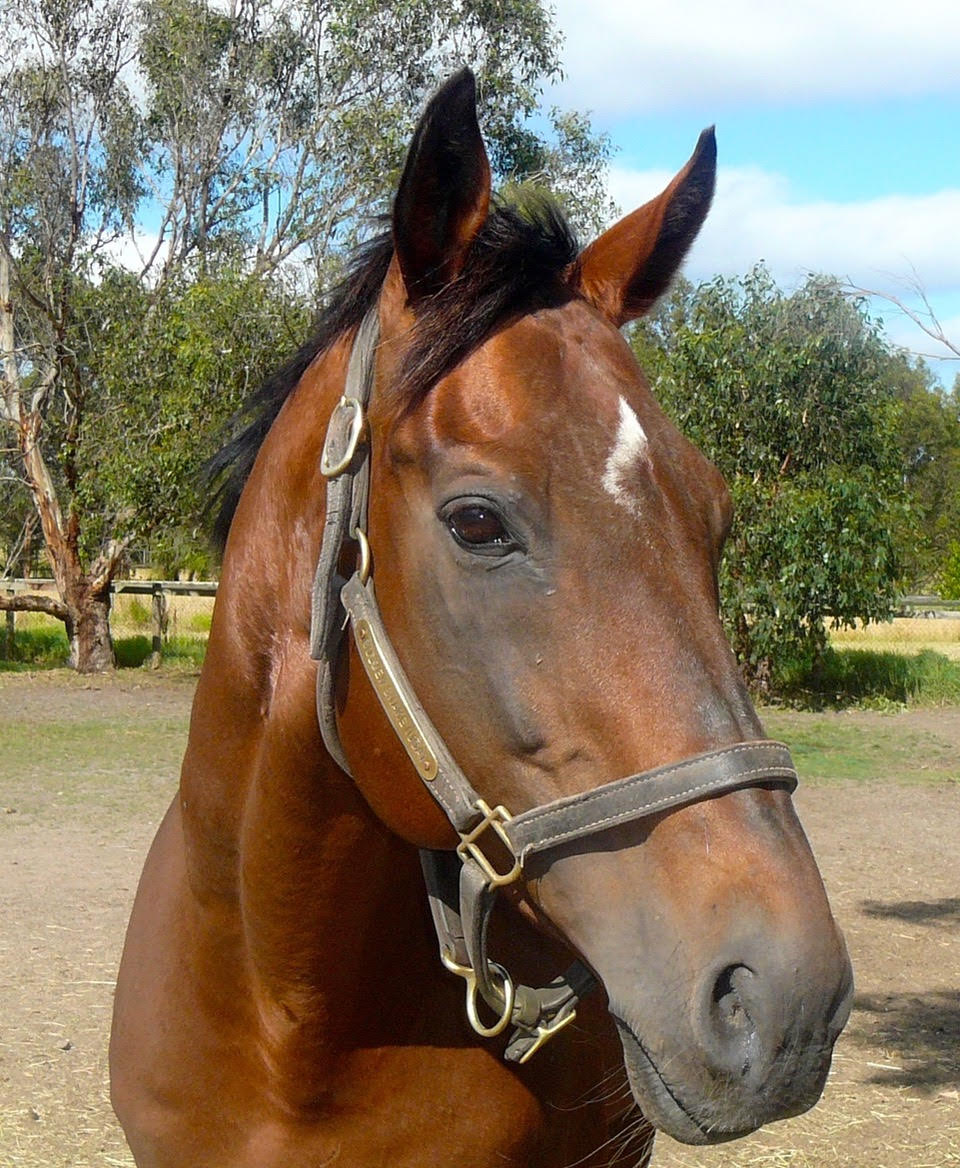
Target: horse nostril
{"points": [[730, 1033], [729, 991]]}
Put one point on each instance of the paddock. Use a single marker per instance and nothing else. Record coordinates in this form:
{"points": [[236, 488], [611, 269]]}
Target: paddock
{"points": [[88, 764]]}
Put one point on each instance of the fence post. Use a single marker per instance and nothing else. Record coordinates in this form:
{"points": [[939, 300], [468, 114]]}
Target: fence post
{"points": [[159, 607], [10, 638]]}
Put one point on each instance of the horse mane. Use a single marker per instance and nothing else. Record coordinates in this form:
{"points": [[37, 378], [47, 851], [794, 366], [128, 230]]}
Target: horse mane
{"points": [[515, 264]]}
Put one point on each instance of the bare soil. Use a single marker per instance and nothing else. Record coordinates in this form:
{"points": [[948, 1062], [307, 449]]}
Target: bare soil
{"points": [[87, 767]]}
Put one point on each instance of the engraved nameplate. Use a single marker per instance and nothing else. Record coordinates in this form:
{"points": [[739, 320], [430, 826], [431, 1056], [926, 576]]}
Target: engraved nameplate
{"points": [[400, 715]]}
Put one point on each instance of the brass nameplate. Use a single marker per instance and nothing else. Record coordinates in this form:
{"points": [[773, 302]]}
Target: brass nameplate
{"points": [[400, 715]]}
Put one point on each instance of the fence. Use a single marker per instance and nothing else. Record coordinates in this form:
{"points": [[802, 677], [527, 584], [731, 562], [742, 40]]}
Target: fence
{"points": [[158, 590], [928, 606]]}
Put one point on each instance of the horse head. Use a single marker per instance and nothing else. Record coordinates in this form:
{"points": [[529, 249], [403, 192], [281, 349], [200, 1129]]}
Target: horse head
{"points": [[545, 547]]}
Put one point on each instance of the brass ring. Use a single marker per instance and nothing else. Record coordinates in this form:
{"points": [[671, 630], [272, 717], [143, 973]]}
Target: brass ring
{"points": [[331, 466], [365, 559], [509, 997]]}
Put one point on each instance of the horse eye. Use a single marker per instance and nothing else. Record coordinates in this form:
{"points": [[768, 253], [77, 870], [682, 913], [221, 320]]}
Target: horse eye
{"points": [[476, 526]]}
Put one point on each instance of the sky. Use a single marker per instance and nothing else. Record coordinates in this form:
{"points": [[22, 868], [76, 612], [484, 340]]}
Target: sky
{"points": [[838, 132]]}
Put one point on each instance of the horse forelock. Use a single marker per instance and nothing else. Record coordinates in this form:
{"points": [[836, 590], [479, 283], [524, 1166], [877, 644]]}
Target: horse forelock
{"points": [[517, 263]]}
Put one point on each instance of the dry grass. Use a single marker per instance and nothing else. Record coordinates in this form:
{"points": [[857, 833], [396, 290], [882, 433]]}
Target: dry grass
{"points": [[905, 635], [189, 616]]}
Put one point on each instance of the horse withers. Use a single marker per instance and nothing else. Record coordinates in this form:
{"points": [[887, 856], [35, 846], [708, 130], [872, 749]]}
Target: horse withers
{"points": [[534, 695]]}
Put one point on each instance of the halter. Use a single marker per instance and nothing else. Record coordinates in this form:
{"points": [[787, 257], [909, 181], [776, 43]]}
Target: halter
{"points": [[462, 885]]}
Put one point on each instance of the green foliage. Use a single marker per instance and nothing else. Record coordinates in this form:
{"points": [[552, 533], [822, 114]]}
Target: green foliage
{"points": [[41, 647], [948, 580], [929, 433], [787, 394], [863, 677], [166, 374], [18, 523], [289, 122]]}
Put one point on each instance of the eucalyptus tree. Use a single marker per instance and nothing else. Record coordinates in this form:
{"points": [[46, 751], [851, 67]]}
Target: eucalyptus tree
{"points": [[792, 396], [162, 157]]}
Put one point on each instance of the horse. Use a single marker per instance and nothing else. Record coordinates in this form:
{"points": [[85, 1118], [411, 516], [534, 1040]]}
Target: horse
{"points": [[467, 636]]}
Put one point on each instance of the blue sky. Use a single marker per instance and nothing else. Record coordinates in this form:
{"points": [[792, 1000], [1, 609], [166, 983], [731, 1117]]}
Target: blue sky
{"points": [[838, 127]]}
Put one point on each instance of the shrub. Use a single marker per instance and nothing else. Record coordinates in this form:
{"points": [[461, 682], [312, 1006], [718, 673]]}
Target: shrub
{"points": [[948, 580]]}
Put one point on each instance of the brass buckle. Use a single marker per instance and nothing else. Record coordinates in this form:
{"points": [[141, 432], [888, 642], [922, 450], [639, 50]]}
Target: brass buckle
{"points": [[331, 464], [545, 1031], [495, 818]]}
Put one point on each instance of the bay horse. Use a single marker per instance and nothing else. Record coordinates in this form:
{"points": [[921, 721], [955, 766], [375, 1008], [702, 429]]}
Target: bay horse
{"points": [[466, 467]]}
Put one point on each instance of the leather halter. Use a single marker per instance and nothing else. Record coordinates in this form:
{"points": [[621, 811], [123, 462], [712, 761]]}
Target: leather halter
{"points": [[462, 885]]}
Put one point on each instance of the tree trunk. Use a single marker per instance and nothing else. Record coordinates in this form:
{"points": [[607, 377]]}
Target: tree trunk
{"points": [[91, 645], [86, 617]]}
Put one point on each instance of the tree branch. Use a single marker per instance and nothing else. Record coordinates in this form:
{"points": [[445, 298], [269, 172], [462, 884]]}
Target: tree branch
{"points": [[30, 602], [926, 320], [105, 566]]}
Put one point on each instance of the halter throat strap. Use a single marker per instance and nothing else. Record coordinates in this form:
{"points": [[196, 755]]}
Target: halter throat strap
{"points": [[463, 886]]}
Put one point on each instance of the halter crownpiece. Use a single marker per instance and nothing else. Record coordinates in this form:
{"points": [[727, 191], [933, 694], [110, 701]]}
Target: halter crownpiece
{"points": [[462, 885]]}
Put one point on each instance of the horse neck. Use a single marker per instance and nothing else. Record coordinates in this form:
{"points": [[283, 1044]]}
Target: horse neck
{"points": [[273, 827]]}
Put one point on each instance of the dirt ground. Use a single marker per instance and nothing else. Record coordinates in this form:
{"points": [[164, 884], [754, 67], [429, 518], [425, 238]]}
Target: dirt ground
{"points": [[76, 819]]}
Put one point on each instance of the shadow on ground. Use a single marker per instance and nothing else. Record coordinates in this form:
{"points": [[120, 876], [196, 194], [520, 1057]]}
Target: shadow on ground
{"points": [[922, 1032], [919, 912]]}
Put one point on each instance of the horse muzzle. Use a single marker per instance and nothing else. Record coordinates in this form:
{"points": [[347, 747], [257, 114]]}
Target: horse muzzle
{"points": [[755, 1046]]}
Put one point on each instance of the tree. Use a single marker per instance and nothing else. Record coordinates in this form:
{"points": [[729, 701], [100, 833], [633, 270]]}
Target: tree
{"points": [[221, 151], [275, 129], [789, 395], [67, 187], [170, 369], [929, 437]]}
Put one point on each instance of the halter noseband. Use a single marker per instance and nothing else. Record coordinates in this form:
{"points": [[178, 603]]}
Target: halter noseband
{"points": [[462, 885]]}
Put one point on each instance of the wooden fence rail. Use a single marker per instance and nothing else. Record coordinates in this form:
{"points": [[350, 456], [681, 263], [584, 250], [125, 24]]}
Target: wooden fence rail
{"points": [[158, 590]]}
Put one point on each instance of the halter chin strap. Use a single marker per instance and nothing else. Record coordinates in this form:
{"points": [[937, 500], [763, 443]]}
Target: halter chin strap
{"points": [[463, 885]]}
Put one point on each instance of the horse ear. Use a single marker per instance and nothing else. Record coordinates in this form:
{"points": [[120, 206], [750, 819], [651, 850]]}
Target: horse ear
{"points": [[624, 271], [444, 194]]}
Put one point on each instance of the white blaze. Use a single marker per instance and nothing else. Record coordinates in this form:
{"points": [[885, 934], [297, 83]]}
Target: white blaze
{"points": [[630, 447]]}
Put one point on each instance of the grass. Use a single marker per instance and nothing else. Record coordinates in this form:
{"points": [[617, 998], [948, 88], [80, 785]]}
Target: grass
{"points": [[79, 768], [910, 661], [874, 679], [838, 747], [41, 642], [133, 652], [45, 647], [36, 646]]}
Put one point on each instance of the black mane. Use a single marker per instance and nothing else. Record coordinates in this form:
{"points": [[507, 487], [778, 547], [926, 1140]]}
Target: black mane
{"points": [[515, 264]]}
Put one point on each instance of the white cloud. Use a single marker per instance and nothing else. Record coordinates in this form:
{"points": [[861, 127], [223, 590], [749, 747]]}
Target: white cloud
{"points": [[621, 56], [131, 252], [876, 241], [887, 244]]}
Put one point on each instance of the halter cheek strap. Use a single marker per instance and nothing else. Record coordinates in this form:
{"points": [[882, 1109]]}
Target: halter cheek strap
{"points": [[463, 885]]}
